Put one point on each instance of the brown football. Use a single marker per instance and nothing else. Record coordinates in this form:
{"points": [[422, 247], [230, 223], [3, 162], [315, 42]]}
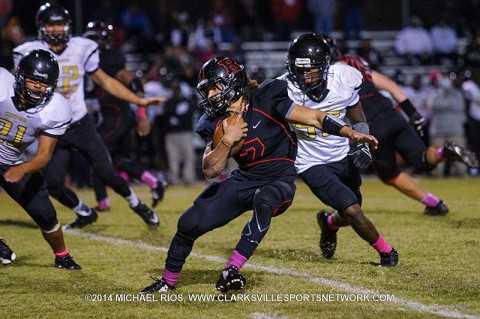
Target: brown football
{"points": [[217, 136]]}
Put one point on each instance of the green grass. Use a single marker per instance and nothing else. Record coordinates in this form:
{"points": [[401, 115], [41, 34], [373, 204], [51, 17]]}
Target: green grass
{"points": [[439, 261]]}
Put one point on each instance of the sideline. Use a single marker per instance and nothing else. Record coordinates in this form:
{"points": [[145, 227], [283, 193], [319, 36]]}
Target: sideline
{"points": [[405, 303]]}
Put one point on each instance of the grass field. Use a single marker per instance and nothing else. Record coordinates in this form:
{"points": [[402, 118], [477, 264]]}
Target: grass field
{"points": [[438, 275]]}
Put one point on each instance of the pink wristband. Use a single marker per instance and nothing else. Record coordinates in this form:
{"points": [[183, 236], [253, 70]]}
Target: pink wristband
{"points": [[142, 111]]}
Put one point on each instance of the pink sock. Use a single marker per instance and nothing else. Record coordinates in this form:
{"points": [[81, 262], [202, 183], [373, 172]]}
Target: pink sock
{"points": [[430, 200], [124, 175], [62, 254], [331, 225], [381, 245], [237, 260], [103, 204], [170, 277], [149, 179]]}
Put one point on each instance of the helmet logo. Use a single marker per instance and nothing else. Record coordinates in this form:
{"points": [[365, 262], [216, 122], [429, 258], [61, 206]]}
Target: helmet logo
{"points": [[303, 63], [230, 64], [40, 75]]}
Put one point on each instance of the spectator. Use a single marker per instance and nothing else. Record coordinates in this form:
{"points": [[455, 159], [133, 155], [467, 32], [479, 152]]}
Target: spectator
{"points": [[286, 14], [447, 120], [14, 30], [418, 95], [323, 12], [178, 126], [471, 91], [444, 39], [471, 57], [6, 7], [369, 53], [137, 27], [414, 43], [354, 15], [6, 50], [222, 19]]}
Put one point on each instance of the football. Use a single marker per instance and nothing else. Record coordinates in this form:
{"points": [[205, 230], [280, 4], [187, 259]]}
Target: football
{"points": [[217, 136]]}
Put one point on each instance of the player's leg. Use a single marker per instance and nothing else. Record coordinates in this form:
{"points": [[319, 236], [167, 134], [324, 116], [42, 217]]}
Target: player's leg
{"points": [[140, 172], [96, 153], [325, 182], [423, 158], [32, 195], [54, 174], [269, 201], [217, 205]]}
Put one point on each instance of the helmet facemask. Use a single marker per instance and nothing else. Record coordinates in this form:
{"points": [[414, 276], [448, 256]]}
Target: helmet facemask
{"points": [[225, 75], [55, 37], [310, 77], [33, 98]]}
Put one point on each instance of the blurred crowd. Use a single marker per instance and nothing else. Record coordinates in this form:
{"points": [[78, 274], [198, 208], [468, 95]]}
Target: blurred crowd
{"points": [[450, 101]]}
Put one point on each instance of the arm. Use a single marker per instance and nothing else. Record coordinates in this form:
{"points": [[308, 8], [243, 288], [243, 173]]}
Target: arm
{"points": [[215, 160], [46, 145], [117, 89], [355, 114], [322, 121], [381, 82], [127, 79]]}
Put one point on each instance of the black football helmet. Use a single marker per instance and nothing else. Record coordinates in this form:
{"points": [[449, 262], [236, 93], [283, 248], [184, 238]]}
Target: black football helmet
{"points": [[38, 65], [100, 32], [335, 54], [229, 76], [53, 14], [308, 53]]}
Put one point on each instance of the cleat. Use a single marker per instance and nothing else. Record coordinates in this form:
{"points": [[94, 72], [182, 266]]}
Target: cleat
{"points": [[459, 154], [158, 193], [148, 215], [328, 238], [81, 221], [6, 254], [66, 262], [440, 210], [160, 285], [389, 259], [230, 279]]}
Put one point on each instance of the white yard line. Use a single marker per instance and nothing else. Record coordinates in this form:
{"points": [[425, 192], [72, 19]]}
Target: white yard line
{"points": [[405, 303]]}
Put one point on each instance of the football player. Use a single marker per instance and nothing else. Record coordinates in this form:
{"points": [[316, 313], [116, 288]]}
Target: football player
{"points": [[29, 111], [77, 56], [117, 117], [265, 179], [322, 160], [396, 135]]}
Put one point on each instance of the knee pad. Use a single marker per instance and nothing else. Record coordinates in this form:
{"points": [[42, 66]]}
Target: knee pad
{"points": [[278, 197], [51, 229]]}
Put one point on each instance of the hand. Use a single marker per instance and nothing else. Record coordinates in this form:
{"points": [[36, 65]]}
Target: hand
{"points": [[418, 123], [146, 101], [234, 132], [143, 126], [14, 174], [362, 158]]}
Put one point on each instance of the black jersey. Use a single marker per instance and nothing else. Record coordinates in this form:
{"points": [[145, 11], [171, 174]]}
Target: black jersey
{"points": [[112, 61], [270, 146], [373, 102]]}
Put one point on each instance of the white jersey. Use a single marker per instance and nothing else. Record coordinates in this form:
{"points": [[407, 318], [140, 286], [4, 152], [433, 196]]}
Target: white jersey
{"points": [[20, 128], [314, 146], [79, 57]]}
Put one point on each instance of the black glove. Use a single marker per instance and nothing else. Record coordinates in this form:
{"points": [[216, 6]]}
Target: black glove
{"points": [[418, 123], [362, 158]]}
